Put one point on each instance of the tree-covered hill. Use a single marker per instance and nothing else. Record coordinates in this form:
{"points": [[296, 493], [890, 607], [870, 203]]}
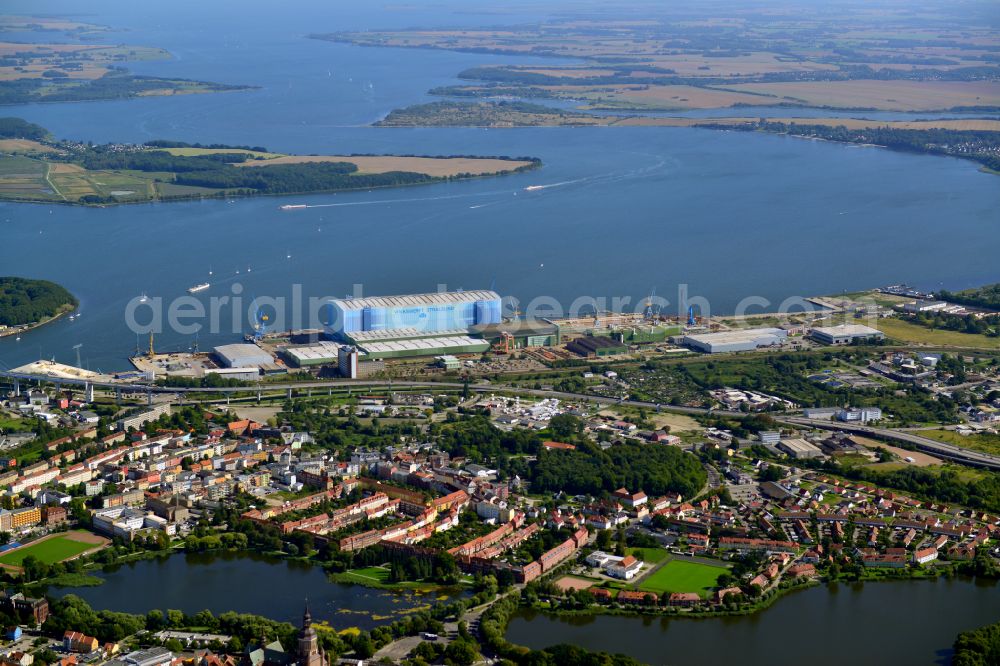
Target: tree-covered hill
{"points": [[18, 128], [24, 301]]}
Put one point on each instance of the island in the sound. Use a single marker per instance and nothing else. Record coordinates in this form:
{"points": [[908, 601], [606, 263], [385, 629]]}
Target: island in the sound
{"points": [[34, 167], [83, 69], [26, 304], [975, 139]]}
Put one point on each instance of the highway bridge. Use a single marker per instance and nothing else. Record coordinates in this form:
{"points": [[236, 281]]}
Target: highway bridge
{"points": [[940, 449]]}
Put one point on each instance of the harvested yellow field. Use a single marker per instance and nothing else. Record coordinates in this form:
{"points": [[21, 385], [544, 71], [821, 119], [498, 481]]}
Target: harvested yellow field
{"points": [[61, 168], [431, 166], [24, 146], [884, 95]]}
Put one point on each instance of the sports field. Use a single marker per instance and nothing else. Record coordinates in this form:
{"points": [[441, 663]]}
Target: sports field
{"points": [[54, 549], [682, 576]]}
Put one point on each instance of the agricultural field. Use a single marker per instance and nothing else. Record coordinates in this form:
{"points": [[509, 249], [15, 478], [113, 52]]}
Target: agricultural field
{"points": [[24, 146], [55, 548], [881, 95], [40, 177], [14, 22], [190, 151], [81, 69], [730, 54], [438, 167], [75, 62], [904, 331], [683, 576], [972, 124], [23, 177], [665, 98]]}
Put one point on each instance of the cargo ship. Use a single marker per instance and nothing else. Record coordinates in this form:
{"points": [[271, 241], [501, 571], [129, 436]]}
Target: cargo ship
{"points": [[198, 287], [292, 206]]}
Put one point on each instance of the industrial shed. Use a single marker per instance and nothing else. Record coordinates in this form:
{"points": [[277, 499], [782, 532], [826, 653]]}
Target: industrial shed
{"points": [[845, 334], [243, 356], [596, 346], [735, 341]]}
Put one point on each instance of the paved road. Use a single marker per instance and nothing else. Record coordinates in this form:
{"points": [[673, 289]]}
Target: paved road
{"points": [[940, 449], [948, 451], [397, 650]]}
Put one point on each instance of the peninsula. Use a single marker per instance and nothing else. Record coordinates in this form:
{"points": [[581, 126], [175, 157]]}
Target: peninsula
{"points": [[35, 167], [27, 304], [79, 71]]}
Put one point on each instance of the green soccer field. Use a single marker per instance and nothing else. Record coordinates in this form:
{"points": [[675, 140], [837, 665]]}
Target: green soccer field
{"points": [[49, 551], [681, 576]]}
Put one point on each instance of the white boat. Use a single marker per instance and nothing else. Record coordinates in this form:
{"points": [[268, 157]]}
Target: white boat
{"points": [[143, 299], [292, 206], [532, 188], [198, 287]]}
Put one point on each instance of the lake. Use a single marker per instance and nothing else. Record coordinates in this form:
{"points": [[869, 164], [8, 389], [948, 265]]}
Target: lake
{"points": [[245, 583], [897, 622], [730, 215]]}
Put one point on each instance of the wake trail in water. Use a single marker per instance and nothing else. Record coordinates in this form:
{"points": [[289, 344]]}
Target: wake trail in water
{"points": [[377, 202], [608, 177]]}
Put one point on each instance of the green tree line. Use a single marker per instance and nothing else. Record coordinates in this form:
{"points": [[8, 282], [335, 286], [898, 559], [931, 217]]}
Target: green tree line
{"points": [[25, 301]]}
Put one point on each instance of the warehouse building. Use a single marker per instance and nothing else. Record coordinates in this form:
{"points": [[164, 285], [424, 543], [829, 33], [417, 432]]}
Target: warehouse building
{"points": [[433, 346], [243, 356], [597, 346], [800, 449], [317, 353], [442, 311], [845, 334], [735, 341], [239, 374], [522, 334]]}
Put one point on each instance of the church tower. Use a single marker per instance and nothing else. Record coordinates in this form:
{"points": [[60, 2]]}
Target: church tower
{"points": [[309, 653]]}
